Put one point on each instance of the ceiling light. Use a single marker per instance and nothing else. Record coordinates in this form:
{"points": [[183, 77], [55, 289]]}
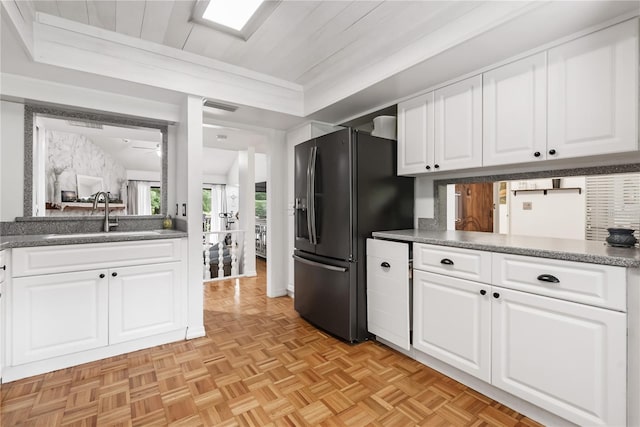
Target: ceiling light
{"points": [[231, 13], [239, 18]]}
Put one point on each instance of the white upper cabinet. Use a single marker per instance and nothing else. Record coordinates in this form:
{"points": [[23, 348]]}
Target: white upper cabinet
{"points": [[415, 135], [514, 112], [458, 125], [593, 93]]}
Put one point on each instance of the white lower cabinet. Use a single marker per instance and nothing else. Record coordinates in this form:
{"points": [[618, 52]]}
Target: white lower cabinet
{"points": [[388, 291], [452, 322], [144, 300], [4, 264], [59, 314], [566, 357]]}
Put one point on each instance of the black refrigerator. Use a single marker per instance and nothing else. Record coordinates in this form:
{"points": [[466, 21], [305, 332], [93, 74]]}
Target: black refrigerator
{"points": [[345, 188]]}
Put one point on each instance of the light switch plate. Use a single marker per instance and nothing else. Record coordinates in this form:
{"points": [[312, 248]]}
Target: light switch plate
{"points": [[527, 206]]}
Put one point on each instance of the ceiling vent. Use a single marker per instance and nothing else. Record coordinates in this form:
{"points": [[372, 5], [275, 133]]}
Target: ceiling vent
{"points": [[219, 106], [83, 124]]}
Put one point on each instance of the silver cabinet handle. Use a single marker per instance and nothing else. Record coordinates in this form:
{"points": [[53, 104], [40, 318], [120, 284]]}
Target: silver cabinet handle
{"points": [[319, 264]]}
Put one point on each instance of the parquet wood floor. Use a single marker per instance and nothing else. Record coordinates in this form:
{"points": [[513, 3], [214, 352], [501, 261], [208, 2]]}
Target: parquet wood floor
{"points": [[259, 365]]}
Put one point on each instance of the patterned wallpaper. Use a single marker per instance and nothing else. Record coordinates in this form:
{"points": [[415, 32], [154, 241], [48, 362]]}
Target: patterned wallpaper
{"points": [[77, 154]]}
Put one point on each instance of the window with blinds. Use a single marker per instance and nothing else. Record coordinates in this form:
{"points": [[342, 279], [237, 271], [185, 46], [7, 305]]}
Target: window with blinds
{"points": [[612, 201]]}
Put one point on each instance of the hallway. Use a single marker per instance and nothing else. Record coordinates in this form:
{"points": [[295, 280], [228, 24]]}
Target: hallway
{"points": [[259, 365]]}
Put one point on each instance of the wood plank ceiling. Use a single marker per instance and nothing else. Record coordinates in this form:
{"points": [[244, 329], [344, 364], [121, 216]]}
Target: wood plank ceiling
{"points": [[301, 41]]}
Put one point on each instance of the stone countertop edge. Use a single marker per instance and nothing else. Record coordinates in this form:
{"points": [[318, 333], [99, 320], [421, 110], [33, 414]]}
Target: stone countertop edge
{"points": [[30, 240], [554, 248]]}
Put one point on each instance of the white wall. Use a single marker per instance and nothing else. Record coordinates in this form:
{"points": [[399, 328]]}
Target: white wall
{"points": [[424, 199], [11, 160], [12, 132], [558, 214], [233, 175], [261, 167]]}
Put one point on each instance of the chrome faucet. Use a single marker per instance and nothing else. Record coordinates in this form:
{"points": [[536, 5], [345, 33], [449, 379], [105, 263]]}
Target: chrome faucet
{"points": [[107, 223]]}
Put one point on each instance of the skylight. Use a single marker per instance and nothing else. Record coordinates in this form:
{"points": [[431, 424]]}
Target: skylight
{"points": [[231, 13]]}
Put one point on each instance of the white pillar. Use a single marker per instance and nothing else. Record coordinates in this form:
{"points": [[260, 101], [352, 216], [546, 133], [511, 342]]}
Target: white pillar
{"points": [[277, 248], [247, 208], [190, 135]]}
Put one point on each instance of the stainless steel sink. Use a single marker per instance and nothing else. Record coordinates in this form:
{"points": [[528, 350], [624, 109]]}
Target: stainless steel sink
{"points": [[103, 234]]}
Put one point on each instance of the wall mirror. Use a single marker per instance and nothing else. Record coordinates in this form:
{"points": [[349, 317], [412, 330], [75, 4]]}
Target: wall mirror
{"points": [[571, 207], [75, 155]]}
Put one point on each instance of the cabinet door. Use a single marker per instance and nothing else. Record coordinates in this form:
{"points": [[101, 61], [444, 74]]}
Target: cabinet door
{"points": [[416, 135], [458, 125], [3, 269], [452, 322], [388, 310], [144, 300], [593, 93], [565, 357], [58, 314], [514, 112]]}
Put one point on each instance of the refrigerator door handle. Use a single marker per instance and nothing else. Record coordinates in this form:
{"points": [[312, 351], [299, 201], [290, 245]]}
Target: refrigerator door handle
{"points": [[319, 264], [312, 196], [309, 211]]}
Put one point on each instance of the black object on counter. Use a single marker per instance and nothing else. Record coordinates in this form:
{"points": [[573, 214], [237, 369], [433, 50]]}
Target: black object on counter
{"points": [[621, 237]]}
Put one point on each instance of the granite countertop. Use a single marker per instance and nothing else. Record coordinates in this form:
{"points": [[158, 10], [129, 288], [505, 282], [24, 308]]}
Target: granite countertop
{"points": [[564, 249], [27, 240]]}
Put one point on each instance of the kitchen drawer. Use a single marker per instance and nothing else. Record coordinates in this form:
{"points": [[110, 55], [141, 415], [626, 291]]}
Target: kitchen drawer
{"points": [[592, 284], [65, 258], [388, 291], [464, 263]]}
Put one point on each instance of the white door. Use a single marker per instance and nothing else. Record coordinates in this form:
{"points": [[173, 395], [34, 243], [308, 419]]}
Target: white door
{"points": [[388, 308], [144, 300], [58, 314], [565, 357], [593, 93], [515, 112], [415, 135], [452, 321], [458, 125]]}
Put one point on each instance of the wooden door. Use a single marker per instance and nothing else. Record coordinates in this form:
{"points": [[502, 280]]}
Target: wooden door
{"points": [[474, 206]]}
